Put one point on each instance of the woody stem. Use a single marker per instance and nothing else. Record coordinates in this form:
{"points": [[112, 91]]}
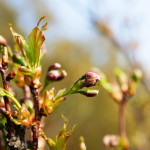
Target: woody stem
{"points": [[35, 127]]}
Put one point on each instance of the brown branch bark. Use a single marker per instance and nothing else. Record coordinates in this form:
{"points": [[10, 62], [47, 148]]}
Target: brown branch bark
{"points": [[9, 124], [35, 127], [122, 121]]}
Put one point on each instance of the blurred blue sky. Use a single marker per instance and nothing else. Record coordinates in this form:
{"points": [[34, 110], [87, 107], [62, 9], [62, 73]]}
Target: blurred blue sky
{"points": [[128, 19]]}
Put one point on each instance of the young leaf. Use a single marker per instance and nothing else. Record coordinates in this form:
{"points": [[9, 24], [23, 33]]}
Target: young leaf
{"points": [[35, 39], [63, 136], [21, 44], [60, 92]]}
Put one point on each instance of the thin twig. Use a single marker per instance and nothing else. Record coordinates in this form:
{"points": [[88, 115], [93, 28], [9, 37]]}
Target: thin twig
{"points": [[122, 120]]}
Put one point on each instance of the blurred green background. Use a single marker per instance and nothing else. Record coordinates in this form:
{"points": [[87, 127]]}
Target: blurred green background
{"points": [[80, 38]]}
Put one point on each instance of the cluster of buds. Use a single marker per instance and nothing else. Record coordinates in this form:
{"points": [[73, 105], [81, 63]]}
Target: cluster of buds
{"points": [[90, 79], [111, 141], [87, 80], [54, 73], [125, 84]]}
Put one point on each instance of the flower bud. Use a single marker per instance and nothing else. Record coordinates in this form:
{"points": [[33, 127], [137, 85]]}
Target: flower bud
{"points": [[91, 79], [63, 75], [53, 75], [111, 141], [90, 75], [89, 93], [54, 66], [89, 82], [56, 75], [3, 41]]}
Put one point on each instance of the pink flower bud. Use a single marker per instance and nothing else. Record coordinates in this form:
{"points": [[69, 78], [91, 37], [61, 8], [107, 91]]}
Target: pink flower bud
{"points": [[90, 75], [111, 141], [3, 41], [91, 79], [89, 82], [53, 75], [54, 66], [56, 75]]}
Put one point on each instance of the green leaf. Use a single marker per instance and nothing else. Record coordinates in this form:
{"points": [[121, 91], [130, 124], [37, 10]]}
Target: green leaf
{"points": [[19, 60], [63, 136], [36, 39], [61, 92], [21, 44], [51, 144], [105, 84]]}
